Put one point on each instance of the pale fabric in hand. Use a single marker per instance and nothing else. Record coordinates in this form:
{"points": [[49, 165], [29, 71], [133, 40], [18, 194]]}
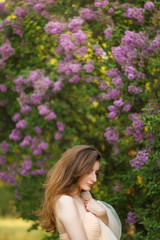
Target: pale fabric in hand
{"points": [[114, 224]]}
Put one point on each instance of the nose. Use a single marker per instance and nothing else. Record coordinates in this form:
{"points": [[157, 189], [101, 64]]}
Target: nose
{"points": [[94, 177]]}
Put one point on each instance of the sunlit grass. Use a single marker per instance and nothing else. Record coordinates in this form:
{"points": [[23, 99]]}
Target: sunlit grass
{"points": [[16, 229]]}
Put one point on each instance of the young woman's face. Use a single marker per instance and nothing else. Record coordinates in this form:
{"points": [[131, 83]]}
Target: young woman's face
{"points": [[85, 182]]}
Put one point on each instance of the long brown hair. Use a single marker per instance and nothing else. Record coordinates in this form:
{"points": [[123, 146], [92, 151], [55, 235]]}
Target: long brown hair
{"points": [[63, 177]]}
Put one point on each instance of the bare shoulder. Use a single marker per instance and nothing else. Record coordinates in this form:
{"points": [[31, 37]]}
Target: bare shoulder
{"points": [[64, 200]]}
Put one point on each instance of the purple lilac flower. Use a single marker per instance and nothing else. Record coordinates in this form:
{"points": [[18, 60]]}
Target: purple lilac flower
{"points": [[4, 147], [20, 12], [50, 116], [103, 85], [113, 115], [54, 27], [3, 88], [6, 50], [114, 72], [130, 72], [74, 24], [17, 29], [112, 108], [129, 131], [2, 4], [111, 10], [140, 159], [98, 50], [3, 176], [38, 130], [69, 67], [86, 13], [132, 218], [80, 37], [135, 13], [135, 40], [2, 160], [134, 89], [126, 6], [43, 145], [57, 86], [38, 7], [108, 32], [35, 99], [89, 67], [138, 124], [74, 79], [27, 163], [41, 85], [111, 135], [43, 110], [154, 45], [118, 82], [119, 103], [26, 141], [101, 3], [113, 93], [66, 42], [127, 107], [26, 109], [149, 6], [15, 135], [60, 126], [21, 124], [117, 188], [138, 135], [38, 172], [58, 136]]}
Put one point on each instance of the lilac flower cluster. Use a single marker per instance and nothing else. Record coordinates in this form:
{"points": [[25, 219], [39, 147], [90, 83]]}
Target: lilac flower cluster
{"points": [[108, 33], [101, 3], [17, 29], [87, 13], [98, 51], [20, 12], [37, 146], [89, 67], [131, 44], [6, 50], [134, 89], [140, 159], [69, 67], [3, 88], [111, 135], [75, 24], [2, 160], [137, 127], [4, 147], [10, 174], [149, 6], [132, 218], [54, 27], [135, 13]]}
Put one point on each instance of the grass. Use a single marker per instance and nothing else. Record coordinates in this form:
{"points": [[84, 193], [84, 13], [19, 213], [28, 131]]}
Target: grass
{"points": [[16, 229]]}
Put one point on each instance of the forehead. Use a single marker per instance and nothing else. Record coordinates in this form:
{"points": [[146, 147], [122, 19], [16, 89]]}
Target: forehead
{"points": [[96, 165]]}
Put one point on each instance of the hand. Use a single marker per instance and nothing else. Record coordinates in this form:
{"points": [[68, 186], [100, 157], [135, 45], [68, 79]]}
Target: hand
{"points": [[94, 207]]}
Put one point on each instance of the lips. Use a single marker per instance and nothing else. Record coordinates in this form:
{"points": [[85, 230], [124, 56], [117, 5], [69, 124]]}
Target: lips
{"points": [[90, 185]]}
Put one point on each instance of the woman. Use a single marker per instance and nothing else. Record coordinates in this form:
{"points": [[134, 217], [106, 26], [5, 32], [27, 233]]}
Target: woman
{"points": [[68, 204]]}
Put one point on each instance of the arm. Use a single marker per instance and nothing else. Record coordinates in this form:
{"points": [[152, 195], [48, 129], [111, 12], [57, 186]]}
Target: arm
{"points": [[68, 214]]}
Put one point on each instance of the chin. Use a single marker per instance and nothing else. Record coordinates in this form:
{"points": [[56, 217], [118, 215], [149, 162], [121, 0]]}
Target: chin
{"points": [[87, 188]]}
